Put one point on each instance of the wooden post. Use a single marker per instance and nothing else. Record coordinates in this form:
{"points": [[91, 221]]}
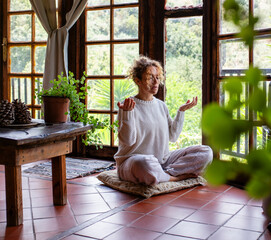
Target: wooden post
{"points": [[59, 180], [210, 86], [14, 201], [152, 33]]}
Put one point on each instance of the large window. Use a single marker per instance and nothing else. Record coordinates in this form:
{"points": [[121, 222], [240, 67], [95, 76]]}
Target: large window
{"points": [[108, 33], [111, 45], [184, 65], [234, 58], [25, 45]]}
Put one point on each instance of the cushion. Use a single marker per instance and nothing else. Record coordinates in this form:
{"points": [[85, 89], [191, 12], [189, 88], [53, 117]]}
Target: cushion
{"points": [[111, 179]]}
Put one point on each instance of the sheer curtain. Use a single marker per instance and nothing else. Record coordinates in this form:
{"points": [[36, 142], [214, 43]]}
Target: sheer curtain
{"points": [[57, 44]]}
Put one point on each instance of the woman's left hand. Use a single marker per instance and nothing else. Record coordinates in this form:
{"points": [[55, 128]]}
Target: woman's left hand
{"points": [[189, 104]]}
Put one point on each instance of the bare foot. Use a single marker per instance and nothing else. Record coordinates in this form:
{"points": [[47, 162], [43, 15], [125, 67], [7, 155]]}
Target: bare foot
{"points": [[182, 177]]}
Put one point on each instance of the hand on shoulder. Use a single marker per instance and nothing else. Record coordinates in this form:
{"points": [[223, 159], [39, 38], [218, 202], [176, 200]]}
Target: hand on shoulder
{"points": [[127, 105]]}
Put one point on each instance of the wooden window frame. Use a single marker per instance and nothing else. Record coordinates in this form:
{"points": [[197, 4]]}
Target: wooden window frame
{"points": [[153, 40], [151, 43], [78, 36], [5, 68], [3, 34], [215, 72]]}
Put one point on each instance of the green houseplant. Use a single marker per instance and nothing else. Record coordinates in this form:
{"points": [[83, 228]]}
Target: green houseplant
{"points": [[67, 87], [222, 130]]}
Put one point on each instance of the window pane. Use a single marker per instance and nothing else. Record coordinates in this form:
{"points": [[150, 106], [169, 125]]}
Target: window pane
{"points": [[227, 26], [98, 60], [260, 10], [38, 86], [233, 56], [98, 94], [243, 143], [123, 89], [266, 135], [267, 87], [16, 5], [21, 89], [98, 25], [184, 75], [40, 33], [116, 139], [38, 114], [184, 40], [182, 3], [20, 60], [224, 97], [93, 3], [20, 28], [124, 55], [125, 1], [126, 23], [262, 55], [40, 59], [229, 156], [261, 135], [239, 149], [104, 134]]}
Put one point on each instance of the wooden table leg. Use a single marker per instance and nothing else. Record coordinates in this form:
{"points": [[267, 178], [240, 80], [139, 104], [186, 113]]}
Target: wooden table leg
{"points": [[14, 200], [59, 180]]}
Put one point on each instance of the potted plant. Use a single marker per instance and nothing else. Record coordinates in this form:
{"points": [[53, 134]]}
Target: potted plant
{"points": [[65, 90], [222, 130]]}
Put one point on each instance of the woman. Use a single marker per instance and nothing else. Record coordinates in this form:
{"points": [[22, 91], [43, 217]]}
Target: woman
{"points": [[145, 129]]}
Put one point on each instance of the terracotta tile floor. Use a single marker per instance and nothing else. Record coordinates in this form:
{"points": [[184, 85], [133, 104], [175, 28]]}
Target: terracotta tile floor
{"points": [[95, 211]]}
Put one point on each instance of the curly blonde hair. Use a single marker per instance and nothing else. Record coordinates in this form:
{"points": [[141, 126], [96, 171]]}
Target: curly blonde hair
{"points": [[140, 66]]}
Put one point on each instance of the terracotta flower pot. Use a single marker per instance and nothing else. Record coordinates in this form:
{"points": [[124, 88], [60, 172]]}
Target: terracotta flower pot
{"points": [[55, 109]]}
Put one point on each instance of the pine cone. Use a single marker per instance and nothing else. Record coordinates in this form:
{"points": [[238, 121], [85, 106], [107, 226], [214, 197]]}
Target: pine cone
{"points": [[22, 114], [7, 116]]}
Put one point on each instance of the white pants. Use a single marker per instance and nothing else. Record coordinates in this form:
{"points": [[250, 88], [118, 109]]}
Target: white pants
{"points": [[147, 169]]}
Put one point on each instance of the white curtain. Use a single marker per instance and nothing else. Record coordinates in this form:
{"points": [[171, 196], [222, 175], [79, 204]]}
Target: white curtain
{"points": [[57, 44]]}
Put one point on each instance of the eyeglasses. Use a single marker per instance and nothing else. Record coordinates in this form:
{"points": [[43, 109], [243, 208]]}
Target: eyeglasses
{"points": [[153, 78]]}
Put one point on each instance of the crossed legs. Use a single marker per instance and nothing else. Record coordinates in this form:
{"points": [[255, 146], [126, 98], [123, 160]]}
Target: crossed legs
{"points": [[182, 164]]}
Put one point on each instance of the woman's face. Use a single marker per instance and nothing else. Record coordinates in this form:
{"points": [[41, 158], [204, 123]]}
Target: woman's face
{"points": [[149, 84]]}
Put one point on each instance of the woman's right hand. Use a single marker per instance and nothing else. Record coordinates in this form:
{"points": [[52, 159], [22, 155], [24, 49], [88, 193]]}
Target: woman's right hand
{"points": [[127, 105]]}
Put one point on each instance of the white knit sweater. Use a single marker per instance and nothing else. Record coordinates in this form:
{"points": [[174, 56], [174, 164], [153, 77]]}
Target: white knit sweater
{"points": [[147, 129]]}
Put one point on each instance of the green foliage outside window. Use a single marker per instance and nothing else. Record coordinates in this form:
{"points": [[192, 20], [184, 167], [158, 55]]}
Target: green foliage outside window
{"points": [[20, 5], [184, 75]]}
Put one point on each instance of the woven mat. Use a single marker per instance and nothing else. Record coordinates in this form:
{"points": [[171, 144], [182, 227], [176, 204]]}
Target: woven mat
{"points": [[74, 168]]}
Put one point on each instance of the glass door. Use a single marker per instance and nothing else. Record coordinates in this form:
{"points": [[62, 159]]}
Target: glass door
{"points": [[184, 65]]}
